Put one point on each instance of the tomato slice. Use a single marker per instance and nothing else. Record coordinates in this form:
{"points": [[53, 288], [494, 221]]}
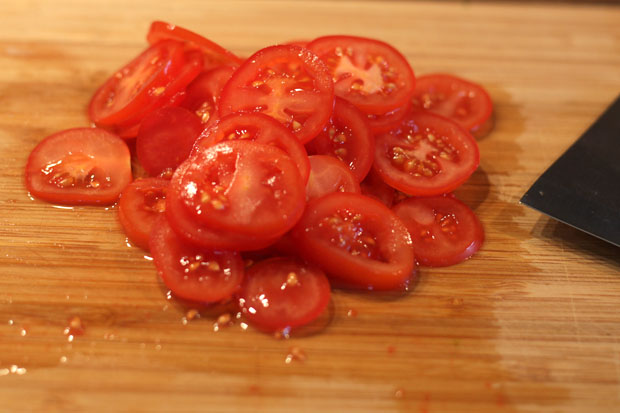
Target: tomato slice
{"points": [[242, 186], [79, 166], [132, 87], [357, 240], [369, 73], [374, 187], [259, 128], [389, 120], [203, 94], [141, 202], [443, 229], [214, 54], [427, 155], [347, 137], [166, 137], [281, 293], [285, 82], [460, 100], [327, 175], [191, 272]]}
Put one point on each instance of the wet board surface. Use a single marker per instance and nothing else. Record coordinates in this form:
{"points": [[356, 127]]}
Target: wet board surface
{"points": [[530, 323]]}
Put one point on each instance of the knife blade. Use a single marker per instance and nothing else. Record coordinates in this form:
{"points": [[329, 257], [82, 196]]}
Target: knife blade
{"points": [[582, 187]]}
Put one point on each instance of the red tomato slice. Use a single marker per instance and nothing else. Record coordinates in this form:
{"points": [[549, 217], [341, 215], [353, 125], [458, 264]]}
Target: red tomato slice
{"points": [[166, 138], [369, 73], [282, 293], [259, 128], [466, 103], [203, 94], [347, 137], [327, 175], [427, 155], [443, 229], [288, 83], [214, 54], [79, 166], [357, 240], [244, 187], [374, 187], [191, 272], [140, 204], [135, 85]]}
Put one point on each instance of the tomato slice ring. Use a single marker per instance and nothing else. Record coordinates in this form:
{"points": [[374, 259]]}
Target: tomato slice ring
{"points": [[369, 73], [259, 128], [87, 166], [244, 187], [426, 155], [357, 240], [443, 229], [191, 272], [281, 293], [214, 54], [348, 138], [185, 225], [141, 202], [132, 87], [287, 83], [460, 100]]}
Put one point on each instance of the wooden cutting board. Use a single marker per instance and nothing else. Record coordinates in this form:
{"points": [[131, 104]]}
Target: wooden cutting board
{"points": [[530, 324]]}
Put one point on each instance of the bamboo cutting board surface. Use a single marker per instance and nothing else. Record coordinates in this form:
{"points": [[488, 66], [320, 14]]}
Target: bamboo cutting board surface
{"points": [[530, 324]]}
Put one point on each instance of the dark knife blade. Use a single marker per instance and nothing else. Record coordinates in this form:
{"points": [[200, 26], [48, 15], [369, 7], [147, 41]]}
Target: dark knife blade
{"points": [[582, 187]]}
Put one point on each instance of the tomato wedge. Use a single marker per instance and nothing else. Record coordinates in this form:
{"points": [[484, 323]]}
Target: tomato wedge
{"points": [[191, 272], [369, 73], [288, 83], [79, 166], [347, 137], [327, 175], [141, 202], [427, 155], [259, 128], [460, 100], [281, 293], [243, 187], [165, 138], [214, 54], [443, 229], [357, 240]]}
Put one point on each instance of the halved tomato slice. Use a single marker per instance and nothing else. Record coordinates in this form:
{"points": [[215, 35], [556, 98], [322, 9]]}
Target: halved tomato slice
{"points": [[426, 155], [141, 202], [369, 73], [191, 272], [281, 293], [79, 166], [357, 240], [443, 229], [288, 83]]}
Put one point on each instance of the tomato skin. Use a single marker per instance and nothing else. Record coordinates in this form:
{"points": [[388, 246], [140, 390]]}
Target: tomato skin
{"points": [[80, 166], [357, 240], [281, 293], [191, 272], [259, 128], [348, 138], [286, 82], [426, 155], [166, 137], [327, 175], [214, 54], [443, 229], [369, 73], [141, 202], [460, 100]]}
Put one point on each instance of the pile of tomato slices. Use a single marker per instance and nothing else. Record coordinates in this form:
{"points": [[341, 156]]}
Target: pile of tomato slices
{"points": [[266, 179]]}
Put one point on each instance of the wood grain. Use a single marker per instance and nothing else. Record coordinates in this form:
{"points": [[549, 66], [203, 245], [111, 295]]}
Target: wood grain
{"points": [[530, 324]]}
